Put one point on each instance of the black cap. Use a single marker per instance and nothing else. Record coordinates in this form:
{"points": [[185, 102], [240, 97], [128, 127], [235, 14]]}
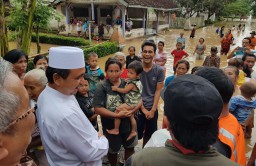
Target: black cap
{"points": [[192, 102], [253, 32]]}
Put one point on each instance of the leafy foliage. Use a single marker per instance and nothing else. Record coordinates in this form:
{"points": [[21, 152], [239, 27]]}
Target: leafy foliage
{"points": [[60, 40], [237, 8], [102, 49]]}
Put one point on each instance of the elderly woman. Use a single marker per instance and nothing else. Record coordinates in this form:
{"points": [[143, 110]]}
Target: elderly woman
{"points": [[35, 81], [40, 61], [17, 118], [19, 60], [121, 57]]}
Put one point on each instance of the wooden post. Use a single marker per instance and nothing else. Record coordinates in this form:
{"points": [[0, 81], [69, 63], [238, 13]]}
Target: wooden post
{"points": [[169, 19], [123, 19], [92, 10], [157, 21], [144, 21]]}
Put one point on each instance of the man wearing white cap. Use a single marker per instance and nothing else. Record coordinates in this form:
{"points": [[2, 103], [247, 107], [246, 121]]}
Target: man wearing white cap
{"points": [[67, 135]]}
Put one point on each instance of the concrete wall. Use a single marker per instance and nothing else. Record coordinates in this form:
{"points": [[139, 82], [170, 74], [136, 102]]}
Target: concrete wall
{"points": [[187, 23]]}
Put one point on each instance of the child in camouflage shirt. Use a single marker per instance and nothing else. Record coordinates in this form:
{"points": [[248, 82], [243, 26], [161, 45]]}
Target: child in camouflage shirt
{"points": [[133, 90]]}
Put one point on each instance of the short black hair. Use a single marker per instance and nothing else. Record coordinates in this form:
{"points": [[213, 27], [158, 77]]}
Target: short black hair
{"points": [[183, 61], [50, 71], [196, 68], [111, 61], [246, 54], [248, 39], [136, 66], [148, 43], [14, 55], [161, 42], [220, 80], [38, 57], [197, 140], [132, 47]]}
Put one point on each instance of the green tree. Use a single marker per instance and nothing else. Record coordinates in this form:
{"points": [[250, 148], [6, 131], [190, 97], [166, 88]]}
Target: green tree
{"points": [[237, 8], [3, 30], [42, 17], [36, 16], [189, 7], [27, 31]]}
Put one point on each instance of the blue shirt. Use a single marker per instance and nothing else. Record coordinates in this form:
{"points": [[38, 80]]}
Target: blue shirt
{"points": [[241, 108], [168, 80]]}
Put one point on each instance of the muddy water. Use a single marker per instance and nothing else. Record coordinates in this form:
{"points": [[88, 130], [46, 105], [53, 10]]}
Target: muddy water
{"points": [[211, 39], [169, 37]]}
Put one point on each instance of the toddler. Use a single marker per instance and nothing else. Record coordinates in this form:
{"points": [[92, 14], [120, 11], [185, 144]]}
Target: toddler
{"points": [[84, 99], [133, 90], [93, 71], [242, 106]]}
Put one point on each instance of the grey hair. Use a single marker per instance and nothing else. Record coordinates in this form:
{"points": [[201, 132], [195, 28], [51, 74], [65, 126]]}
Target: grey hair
{"points": [[117, 54], [38, 74], [9, 102]]}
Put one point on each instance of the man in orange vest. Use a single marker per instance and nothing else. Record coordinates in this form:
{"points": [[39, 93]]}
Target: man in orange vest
{"points": [[231, 141], [253, 40]]}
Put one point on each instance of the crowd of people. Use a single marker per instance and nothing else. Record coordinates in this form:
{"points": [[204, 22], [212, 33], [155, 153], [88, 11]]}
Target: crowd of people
{"points": [[82, 26], [208, 114]]}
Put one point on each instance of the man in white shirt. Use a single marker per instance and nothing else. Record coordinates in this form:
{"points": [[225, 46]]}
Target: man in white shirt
{"points": [[67, 135]]}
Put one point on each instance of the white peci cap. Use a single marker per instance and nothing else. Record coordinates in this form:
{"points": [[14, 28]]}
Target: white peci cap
{"points": [[66, 57]]}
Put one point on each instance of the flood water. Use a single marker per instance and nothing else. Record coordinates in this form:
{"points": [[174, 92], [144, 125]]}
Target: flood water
{"points": [[169, 37], [211, 39]]}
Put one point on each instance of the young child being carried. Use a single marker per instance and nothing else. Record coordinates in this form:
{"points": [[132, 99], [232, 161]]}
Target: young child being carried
{"points": [[84, 99], [133, 91], [94, 74], [243, 105]]}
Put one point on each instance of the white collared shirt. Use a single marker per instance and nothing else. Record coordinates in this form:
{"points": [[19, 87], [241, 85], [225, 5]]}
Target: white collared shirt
{"points": [[67, 135]]}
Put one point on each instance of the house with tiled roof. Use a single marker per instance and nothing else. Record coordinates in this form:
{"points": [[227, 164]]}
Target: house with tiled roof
{"points": [[148, 16]]}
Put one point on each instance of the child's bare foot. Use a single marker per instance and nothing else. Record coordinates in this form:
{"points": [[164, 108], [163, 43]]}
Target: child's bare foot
{"points": [[132, 134], [113, 131]]}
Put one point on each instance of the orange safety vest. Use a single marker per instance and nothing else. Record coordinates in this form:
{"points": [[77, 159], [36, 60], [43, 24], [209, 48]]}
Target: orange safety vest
{"points": [[231, 134]]}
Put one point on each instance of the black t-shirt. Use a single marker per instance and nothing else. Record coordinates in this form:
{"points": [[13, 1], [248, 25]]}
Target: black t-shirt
{"points": [[105, 97], [129, 60]]}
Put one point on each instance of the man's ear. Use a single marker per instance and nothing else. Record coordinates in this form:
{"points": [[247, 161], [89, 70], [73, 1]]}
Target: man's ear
{"points": [[167, 123], [57, 79], [3, 150]]}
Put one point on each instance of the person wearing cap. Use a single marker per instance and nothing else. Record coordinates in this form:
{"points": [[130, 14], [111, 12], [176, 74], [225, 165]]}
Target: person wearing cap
{"points": [[152, 79], [213, 59], [193, 126], [253, 40], [67, 135], [230, 141]]}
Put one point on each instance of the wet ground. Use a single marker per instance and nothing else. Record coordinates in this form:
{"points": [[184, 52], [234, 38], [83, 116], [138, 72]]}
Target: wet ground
{"points": [[169, 37], [211, 39]]}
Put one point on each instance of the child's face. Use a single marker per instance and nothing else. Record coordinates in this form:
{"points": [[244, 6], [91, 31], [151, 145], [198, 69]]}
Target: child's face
{"points": [[131, 51], [83, 87], [132, 74], [93, 62], [213, 53], [201, 41], [160, 46], [178, 46]]}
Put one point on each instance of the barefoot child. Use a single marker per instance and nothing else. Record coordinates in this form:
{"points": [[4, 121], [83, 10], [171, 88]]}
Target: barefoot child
{"points": [[133, 91]]}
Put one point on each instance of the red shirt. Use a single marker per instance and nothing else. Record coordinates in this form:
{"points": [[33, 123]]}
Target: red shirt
{"points": [[124, 73], [178, 54]]}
